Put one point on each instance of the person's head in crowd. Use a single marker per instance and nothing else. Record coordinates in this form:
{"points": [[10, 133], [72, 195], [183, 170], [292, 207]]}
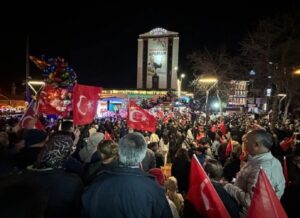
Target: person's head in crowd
{"points": [[182, 154], [159, 176], [201, 150], [258, 141], [132, 149], [35, 137], [204, 142], [21, 198], [17, 139], [213, 169], [67, 126], [95, 138], [87, 152], [57, 149], [237, 149], [165, 139], [171, 184], [107, 150], [296, 156], [153, 146], [4, 140], [92, 130], [130, 130]]}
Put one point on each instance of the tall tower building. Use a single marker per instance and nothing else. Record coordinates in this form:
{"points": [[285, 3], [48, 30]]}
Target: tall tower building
{"points": [[157, 59]]}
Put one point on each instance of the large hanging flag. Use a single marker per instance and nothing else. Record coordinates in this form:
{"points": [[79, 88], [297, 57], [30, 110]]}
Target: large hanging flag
{"points": [[30, 119], [265, 202], [85, 99], [202, 195], [140, 119]]}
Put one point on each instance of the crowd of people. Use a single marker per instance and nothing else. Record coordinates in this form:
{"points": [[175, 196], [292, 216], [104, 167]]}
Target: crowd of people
{"points": [[107, 169]]}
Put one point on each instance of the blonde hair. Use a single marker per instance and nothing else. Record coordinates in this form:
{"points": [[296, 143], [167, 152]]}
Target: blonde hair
{"points": [[171, 191]]}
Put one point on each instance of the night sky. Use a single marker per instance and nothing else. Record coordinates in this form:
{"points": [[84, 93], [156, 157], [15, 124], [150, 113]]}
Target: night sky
{"points": [[100, 42]]}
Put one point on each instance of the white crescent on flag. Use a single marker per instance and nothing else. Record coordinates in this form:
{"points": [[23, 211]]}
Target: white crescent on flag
{"points": [[29, 117], [81, 97], [204, 197], [131, 115]]}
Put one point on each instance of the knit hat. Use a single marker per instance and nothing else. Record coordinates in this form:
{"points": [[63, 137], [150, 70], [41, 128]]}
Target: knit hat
{"points": [[158, 174]]}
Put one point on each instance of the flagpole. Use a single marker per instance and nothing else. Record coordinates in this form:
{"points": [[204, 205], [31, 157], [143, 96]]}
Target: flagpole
{"points": [[27, 91]]}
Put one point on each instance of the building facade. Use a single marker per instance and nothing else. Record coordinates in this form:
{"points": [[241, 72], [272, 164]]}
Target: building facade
{"points": [[157, 60]]}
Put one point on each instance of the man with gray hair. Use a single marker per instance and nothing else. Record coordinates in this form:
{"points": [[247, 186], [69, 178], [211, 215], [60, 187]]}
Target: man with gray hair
{"points": [[258, 143], [126, 190]]}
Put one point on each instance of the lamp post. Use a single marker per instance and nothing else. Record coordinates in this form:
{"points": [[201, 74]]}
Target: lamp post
{"points": [[179, 84], [214, 82]]}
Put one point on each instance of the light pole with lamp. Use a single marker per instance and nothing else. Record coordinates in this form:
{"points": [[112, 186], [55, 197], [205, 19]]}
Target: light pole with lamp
{"points": [[179, 84], [214, 82]]}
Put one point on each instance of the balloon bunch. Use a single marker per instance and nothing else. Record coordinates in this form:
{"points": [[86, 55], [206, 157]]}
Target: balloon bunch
{"points": [[59, 74], [56, 100]]}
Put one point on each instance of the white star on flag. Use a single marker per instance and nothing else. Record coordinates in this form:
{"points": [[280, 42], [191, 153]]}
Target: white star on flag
{"points": [[90, 105]]}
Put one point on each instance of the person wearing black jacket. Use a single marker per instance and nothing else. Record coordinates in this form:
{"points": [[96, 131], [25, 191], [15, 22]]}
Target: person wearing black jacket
{"points": [[126, 190]]}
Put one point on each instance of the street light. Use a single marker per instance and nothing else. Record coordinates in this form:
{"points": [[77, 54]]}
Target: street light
{"points": [[296, 72], [214, 82], [179, 82]]}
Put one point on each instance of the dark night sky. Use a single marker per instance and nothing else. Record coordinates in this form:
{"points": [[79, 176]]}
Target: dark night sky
{"points": [[100, 42]]}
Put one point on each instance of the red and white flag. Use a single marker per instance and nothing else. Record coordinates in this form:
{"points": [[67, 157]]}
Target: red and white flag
{"points": [[140, 119], [30, 119], [85, 99], [265, 202], [202, 195], [229, 148]]}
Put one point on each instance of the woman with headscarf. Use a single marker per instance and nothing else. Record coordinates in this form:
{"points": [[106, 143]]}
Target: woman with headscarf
{"points": [[64, 189]]}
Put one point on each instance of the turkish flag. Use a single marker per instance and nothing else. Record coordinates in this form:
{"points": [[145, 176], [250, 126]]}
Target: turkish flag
{"points": [[223, 128], [140, 119], [29, 120], [168, 117], [85, 99], [160, 114], [202, 195], [287, 143], [229, 148], [265, 202]]}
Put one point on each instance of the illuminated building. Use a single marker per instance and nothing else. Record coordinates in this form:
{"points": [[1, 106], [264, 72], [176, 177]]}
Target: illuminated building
{"points": [[157, 60]]}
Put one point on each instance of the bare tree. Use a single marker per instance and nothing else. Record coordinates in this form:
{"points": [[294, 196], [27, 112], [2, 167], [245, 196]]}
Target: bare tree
{"points": [[273, 50], [217, 64]]}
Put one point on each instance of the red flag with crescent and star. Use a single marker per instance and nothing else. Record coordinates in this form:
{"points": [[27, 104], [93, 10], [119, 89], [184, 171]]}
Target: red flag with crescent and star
{"points": [[202, 194], [30, 119], [265, 202], [85, 99], [140, 119]]}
